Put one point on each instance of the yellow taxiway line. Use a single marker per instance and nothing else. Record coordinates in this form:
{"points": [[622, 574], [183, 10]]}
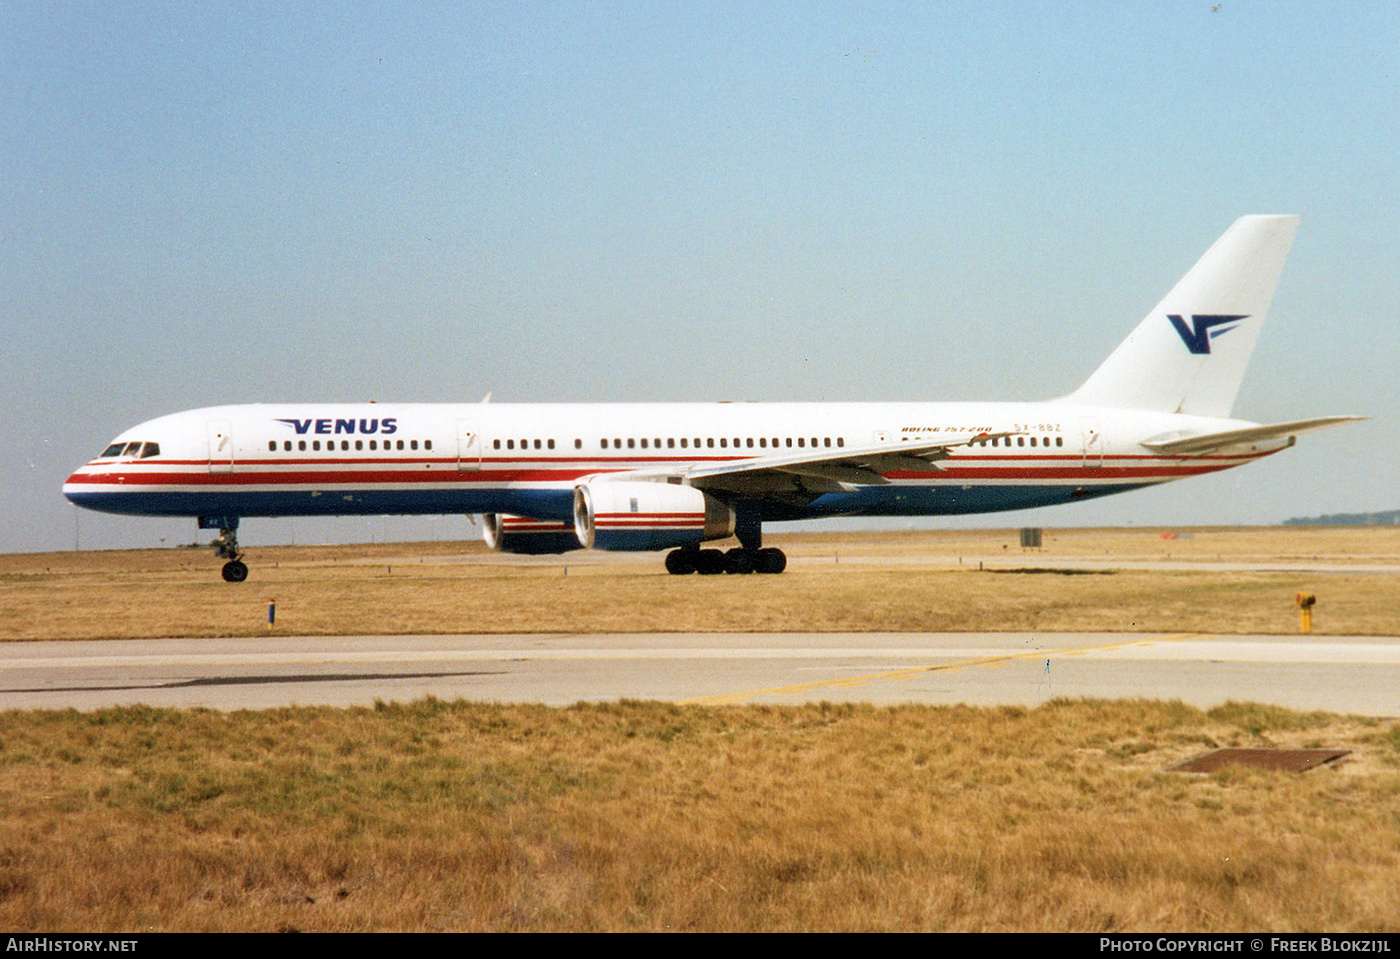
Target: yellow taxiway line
{"points": [[898, 674]]}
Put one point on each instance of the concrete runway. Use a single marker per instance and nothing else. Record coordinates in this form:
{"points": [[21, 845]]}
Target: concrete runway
{"points": [[1358, 675]]}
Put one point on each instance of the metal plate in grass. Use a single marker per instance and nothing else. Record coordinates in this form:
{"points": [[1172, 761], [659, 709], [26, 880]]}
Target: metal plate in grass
{"points": [[1273, 760]]}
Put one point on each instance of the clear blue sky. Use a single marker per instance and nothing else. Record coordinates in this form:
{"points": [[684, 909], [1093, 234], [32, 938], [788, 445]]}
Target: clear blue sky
{"points": [[210, 203]]}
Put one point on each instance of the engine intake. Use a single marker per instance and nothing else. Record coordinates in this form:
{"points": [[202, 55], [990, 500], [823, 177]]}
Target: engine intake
{"points": [[625, 516]]}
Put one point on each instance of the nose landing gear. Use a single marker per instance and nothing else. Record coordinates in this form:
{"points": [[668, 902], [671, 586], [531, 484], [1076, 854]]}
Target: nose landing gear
{"points": [[226, 546]]}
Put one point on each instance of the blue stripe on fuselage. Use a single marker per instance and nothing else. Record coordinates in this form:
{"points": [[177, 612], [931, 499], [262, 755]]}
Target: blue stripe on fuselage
{"points": [[557, 504], [541, 504], [940, 500]]}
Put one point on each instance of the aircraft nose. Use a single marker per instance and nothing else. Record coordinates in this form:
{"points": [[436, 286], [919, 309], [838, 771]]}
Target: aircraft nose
{"points": [[73, 485]]}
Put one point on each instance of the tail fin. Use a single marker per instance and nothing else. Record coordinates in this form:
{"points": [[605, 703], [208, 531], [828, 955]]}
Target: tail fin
{"points": [[1190, 353]]}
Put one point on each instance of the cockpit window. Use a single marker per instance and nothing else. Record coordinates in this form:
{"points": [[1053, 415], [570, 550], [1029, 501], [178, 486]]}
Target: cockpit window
{"points": [[137, 448]]}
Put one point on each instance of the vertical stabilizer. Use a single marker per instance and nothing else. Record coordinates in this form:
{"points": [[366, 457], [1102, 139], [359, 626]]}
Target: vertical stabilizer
{"points": [[1189, 354]]}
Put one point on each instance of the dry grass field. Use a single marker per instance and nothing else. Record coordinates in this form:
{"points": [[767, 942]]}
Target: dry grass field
{"points": [[630, 816], [918, 581], [464, 816]]}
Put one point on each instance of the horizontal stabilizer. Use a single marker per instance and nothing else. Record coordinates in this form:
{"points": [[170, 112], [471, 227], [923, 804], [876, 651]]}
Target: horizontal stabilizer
{"points": [[1175, 444]]}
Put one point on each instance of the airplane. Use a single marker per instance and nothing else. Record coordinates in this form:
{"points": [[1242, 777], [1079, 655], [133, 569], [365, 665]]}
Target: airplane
{"points": [[550, 478]]}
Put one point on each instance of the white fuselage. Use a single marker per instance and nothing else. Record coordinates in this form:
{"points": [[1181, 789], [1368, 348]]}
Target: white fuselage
{"points": [[526, 459], [633, 476]]}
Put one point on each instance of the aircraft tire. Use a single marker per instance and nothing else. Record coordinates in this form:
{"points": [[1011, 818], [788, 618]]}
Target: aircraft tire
{"points": [[770, 559], [739, 561], [235, 571], [709, 562], [682, 562]]}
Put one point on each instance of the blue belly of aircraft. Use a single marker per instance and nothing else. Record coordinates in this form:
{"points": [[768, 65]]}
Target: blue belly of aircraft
{"points": [[557, 504]]}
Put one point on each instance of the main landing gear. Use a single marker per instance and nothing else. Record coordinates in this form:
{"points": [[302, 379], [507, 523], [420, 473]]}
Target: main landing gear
{"points": [[235, 570], [750, 556], [707, 562]]}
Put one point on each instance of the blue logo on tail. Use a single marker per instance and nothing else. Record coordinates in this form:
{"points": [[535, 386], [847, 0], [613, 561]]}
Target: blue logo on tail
{"points": [[1204, 328]]}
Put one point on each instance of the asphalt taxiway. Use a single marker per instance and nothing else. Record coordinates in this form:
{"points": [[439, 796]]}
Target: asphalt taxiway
{"points": [[1357, 675]]}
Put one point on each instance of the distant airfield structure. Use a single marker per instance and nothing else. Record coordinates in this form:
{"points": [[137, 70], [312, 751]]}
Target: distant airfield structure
{"points": [[1383, 518]]}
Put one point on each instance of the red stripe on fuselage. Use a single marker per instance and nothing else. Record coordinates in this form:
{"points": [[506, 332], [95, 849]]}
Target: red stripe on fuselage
{"points": [[350, 472]]}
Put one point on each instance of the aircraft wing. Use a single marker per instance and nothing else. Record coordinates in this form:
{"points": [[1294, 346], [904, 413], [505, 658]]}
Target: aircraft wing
{"points": [[1175, 444], [816, 471]]}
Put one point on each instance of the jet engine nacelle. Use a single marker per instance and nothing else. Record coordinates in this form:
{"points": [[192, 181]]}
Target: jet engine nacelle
{"points": [[520, 534], [647, 516]]}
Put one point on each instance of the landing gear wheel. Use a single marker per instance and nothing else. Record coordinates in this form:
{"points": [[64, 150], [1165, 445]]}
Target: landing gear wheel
{"points": [[235, 571], [770, 559], [739, 561], [709, 562], [682, 562]]}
